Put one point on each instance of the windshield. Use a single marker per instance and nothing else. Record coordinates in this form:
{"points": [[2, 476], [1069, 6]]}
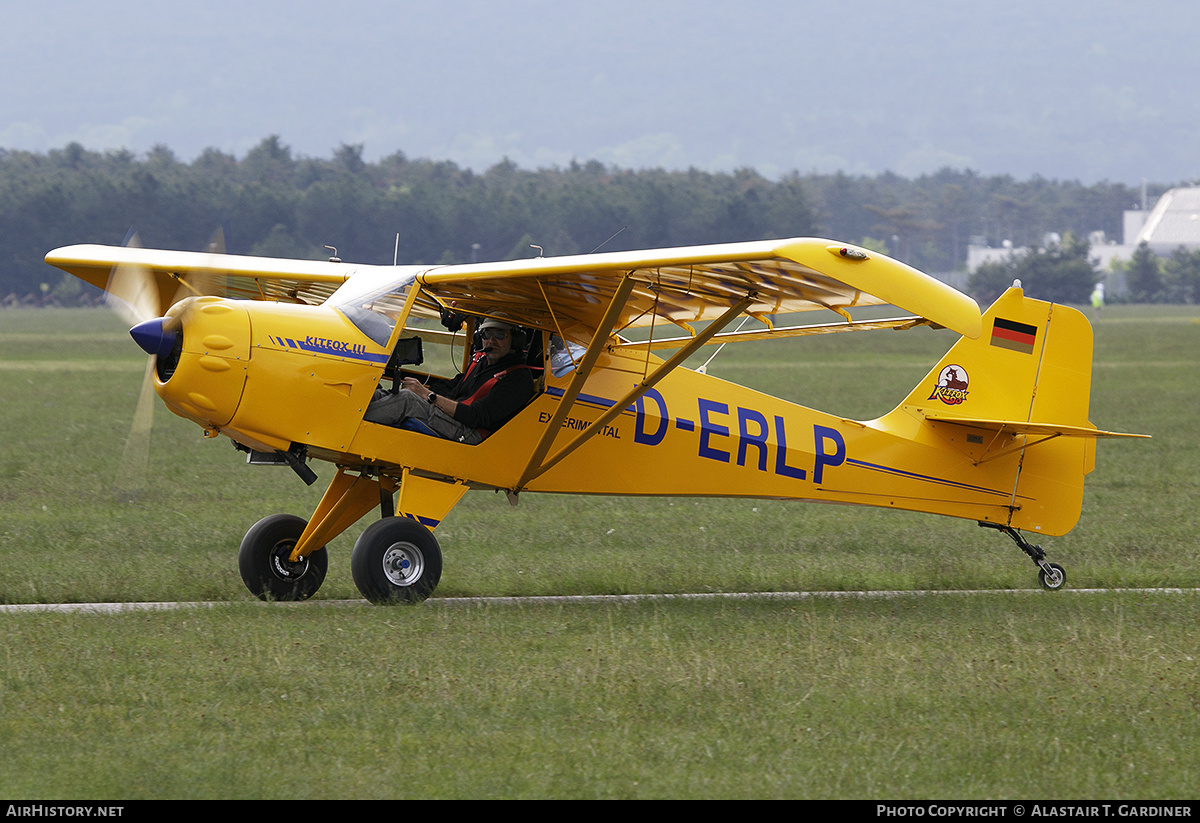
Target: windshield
{"points": [[373, 299]]}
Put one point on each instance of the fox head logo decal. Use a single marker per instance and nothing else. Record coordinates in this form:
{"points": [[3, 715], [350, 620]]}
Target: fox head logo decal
{"points": [[951, 387]]}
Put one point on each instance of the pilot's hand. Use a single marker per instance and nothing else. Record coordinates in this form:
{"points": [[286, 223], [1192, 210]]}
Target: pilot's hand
{"points": [[414, 385]]}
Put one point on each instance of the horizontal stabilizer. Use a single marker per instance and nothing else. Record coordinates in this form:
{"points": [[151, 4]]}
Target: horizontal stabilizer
{"points": [[1017, 427]]}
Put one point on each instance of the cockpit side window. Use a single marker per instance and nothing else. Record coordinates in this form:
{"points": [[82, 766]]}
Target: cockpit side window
{"points": [[374, 325]]}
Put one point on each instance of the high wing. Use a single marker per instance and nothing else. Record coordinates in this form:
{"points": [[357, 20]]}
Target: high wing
{"points": [[595, 299], [570, 295], [176, 273], [687, 286]]}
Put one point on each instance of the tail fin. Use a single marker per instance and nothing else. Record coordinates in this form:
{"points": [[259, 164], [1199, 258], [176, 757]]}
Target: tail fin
{"points": [[1033, 363], [1016, 400]]}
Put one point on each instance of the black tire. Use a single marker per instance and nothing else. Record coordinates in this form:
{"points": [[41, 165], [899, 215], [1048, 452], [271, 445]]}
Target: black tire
{"points": [[1052, 584], [264, 564], [396, 560]]}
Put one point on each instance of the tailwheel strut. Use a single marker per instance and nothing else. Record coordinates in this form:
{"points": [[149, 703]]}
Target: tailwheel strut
{"points": [[1050, 575]]}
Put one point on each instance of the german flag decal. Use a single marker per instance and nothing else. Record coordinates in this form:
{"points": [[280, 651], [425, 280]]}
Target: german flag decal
{"points": [[1009, 334]]}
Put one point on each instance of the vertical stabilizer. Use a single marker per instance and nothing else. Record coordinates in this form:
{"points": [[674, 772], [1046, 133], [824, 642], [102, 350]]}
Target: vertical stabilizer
{"points": [[1033, 363], [1016, 399]]}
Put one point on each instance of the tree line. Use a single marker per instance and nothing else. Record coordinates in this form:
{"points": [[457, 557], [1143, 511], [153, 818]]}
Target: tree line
{"points": [[272, 202], [1063, 271]]}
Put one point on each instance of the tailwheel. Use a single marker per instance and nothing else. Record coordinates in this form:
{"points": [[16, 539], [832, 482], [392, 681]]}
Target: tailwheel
{"points": [[264, 559], [1052, 576], [396, 560]]}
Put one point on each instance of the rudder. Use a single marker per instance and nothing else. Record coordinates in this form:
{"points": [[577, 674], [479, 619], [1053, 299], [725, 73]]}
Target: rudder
{"points": [[1030, 369]]}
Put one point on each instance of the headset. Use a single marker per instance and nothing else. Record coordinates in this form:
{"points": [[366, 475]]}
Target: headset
{"points": [[520, 338], [454, 321]]}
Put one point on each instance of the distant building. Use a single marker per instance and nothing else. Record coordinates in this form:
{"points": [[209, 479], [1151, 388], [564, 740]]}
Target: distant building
{"points": [[977, 255], [1173, 222]]}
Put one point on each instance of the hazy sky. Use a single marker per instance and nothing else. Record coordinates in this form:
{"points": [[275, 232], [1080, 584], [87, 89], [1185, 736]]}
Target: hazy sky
{"points": [[1068, 89]]}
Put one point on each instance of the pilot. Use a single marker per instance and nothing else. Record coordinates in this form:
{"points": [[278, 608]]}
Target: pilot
{"points": [[496, 386]]}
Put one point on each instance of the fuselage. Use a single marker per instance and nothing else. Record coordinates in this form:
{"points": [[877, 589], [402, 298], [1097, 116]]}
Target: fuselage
{"points": [[271, 376]]}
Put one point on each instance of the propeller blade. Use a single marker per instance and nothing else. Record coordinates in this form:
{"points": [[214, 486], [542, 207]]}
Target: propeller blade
{"points": [[135, 459], [134, 293], [210, 280], [131, 291]]}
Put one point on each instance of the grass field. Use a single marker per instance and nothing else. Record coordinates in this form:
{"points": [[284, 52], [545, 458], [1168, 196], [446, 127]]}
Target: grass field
{"points": [[1016, 694]]}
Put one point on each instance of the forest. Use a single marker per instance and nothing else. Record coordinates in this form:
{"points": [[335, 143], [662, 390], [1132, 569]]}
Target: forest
{"points": [[272, 202]]}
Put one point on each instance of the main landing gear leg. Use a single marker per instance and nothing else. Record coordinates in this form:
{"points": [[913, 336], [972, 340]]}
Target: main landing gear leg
{"points": [[397, 559], [1050, 575]]}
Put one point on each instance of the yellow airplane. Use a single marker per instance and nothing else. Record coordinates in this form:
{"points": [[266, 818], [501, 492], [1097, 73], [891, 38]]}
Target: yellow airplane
{"points": [[284, 357]]}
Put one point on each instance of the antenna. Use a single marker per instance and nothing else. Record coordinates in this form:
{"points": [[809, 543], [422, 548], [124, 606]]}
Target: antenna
{"points": [[541, 251], [396, 253], [605, 243]]}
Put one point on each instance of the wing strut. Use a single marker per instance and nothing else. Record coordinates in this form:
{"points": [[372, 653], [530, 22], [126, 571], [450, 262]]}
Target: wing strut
{"points": [[533, 468], [537, 464]]}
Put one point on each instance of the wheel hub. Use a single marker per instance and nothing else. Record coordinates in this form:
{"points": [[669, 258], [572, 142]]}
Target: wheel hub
{"points": [[403, 564], [283, 567]]}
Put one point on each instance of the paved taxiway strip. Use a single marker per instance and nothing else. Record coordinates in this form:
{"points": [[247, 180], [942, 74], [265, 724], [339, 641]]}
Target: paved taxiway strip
{"points": [[118, 608]]}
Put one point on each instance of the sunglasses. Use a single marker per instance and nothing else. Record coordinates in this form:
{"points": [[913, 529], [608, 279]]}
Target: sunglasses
{"points": [[498, 334]]}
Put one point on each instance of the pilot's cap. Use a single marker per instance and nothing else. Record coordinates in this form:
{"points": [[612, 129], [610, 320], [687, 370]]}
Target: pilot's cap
{"points": [[493, 323]]}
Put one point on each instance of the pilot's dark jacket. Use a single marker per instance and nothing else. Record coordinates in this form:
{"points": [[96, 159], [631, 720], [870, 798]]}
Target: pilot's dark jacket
{"points": [[488, 396], [501, 402]]}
